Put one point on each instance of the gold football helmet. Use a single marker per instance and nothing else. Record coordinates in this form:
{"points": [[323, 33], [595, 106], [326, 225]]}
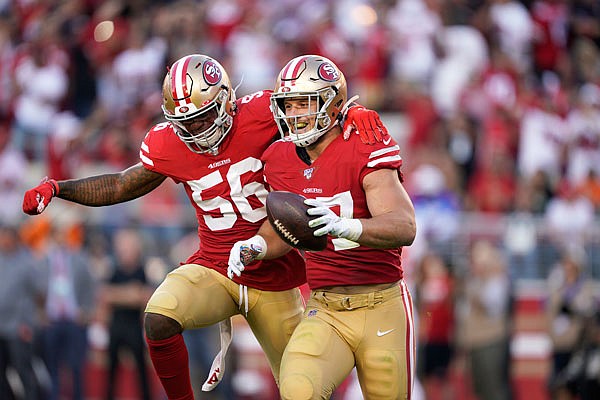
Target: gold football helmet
{"points": [[309, 78], [197, 98]]}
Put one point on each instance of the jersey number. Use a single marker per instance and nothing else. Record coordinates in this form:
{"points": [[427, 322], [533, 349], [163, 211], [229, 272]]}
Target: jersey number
{"points": [[239, 195]]}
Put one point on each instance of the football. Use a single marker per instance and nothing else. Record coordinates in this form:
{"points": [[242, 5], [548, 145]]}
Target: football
{"points": [[287, 214]]}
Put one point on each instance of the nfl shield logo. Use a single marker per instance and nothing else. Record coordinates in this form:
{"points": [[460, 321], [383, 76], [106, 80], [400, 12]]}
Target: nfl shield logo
{"points": [[308, 172]]}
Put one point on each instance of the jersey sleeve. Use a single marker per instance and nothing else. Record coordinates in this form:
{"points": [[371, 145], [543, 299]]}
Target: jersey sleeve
{"points": [[256, 107], [380, 156], [158, 148]]}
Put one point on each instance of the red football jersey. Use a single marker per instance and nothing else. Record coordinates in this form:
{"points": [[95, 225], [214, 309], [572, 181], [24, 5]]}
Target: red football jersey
{"points": [[336, 179], [227, 191]]}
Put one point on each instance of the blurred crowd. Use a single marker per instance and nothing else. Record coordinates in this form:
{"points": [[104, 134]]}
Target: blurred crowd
{"points": [[496, 104]]}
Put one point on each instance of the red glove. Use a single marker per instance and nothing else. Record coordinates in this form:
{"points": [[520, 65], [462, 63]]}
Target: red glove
{"points": [[367, 124], [35, 200]]}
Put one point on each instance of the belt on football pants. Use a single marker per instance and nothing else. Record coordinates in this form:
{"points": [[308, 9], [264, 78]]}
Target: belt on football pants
{"points": [[348, 302]]}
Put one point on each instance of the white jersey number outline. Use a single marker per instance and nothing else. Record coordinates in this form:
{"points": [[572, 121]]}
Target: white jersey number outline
{"points": [[239, 195]]}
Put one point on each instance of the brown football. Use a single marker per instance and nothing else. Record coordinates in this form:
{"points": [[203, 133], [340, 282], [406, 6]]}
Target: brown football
{"points": [[287, 214]]}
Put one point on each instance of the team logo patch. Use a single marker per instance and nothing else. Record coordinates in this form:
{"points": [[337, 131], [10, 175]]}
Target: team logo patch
{"points": [[327, 72], [184, 109], [308, 172], [211, 73]]}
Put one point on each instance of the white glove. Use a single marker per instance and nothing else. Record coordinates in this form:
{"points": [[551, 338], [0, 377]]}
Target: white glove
{"points": [[333, 224], [244, 252]]}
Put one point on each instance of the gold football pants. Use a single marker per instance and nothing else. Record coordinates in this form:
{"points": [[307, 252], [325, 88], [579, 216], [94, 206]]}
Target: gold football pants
{"points": [[196, 296], [372, 332]]}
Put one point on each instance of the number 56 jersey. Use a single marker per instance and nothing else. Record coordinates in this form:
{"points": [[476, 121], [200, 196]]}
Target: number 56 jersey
{"points": [[227, 191]]}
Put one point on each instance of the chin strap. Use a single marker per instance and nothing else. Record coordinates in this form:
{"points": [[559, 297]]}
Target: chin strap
{"points": [[217, 368]]}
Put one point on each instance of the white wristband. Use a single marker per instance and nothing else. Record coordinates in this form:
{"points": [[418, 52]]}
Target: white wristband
{"points": [[258, 244]]}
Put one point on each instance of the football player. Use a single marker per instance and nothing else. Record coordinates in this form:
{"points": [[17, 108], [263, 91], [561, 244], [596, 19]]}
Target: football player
{"points": [[360, 311], [211, 144]]}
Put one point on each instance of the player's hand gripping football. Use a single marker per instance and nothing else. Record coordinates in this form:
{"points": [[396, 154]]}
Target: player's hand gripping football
{"points": [[243, 253], [333, 224], [37, 199], [366, 123]]}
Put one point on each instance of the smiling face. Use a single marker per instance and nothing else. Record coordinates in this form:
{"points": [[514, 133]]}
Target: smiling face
{"points": [[300, 113], [320, 89]]}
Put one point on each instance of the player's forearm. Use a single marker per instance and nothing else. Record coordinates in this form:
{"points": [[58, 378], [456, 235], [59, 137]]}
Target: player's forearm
{"points": [[108, 189], [275, 246], [95, 191], [388, 231]]}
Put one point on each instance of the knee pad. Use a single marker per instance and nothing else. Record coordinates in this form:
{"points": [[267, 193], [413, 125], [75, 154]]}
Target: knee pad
{"points": [[296, 387], [175, 287], [384, 375]]}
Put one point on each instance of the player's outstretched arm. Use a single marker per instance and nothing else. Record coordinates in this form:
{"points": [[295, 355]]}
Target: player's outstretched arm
{"points": [[94, 191]]}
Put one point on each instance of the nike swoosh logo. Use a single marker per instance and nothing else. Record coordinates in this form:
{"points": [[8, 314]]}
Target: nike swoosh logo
{"points": [[386, 142], [382, 333]]}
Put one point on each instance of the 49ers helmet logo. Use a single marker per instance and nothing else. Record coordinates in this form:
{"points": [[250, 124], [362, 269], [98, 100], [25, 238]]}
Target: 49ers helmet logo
{"points": [[328, 72], [211, 73]]}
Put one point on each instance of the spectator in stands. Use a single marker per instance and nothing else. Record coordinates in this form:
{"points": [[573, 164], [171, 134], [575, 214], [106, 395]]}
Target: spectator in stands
{"points": [[434, 301], [126, 293], [569, 304], [568, 215], [436, 209], [583, 122], [542, 138], [13, 168], [485, 322], [590, 189], [70, 304], [551, 20], [414, 25], [520, 236], [42, 84], [21, 293], [512, 28]]}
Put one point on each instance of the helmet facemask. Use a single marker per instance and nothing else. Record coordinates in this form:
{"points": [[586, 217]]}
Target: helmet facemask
{"points": [[197, 97], [205, 140], [308, 80], [315, 115]]}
